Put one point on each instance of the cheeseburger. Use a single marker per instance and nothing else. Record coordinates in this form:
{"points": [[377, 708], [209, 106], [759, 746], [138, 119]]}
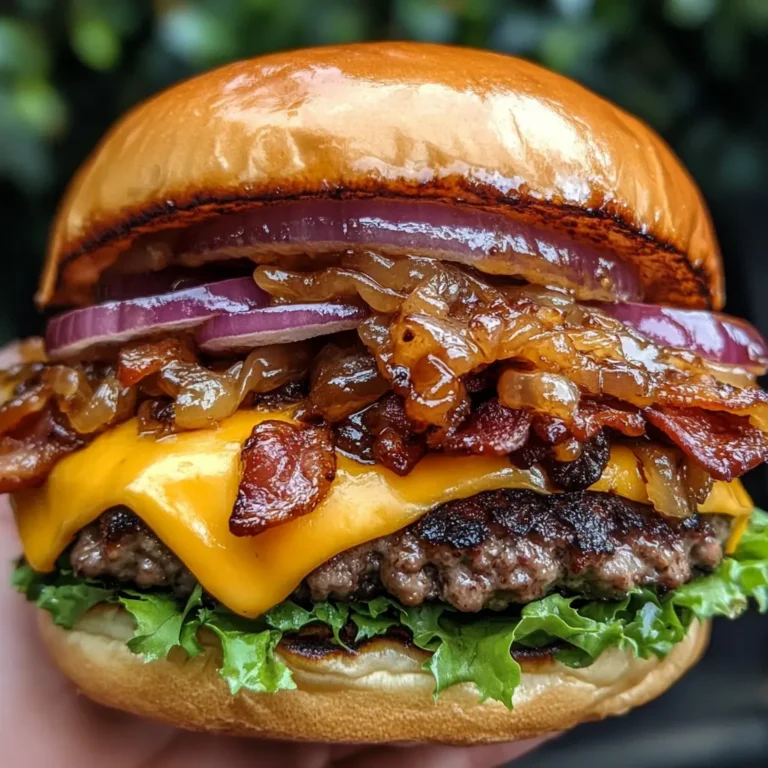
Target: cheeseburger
{"points": [[386, 397]]}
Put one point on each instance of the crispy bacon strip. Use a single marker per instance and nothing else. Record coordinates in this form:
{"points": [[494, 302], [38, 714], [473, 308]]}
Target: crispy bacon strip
{"points": [[287, 470], [382, 434], [396, 445], [29, 454], [492, 429], [13, 412], [725, 444], [594, 416], [591, 419]]}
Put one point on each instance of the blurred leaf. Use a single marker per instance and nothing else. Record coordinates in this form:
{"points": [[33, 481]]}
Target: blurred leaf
{"points": [[122, 16], [425, 19], [574, 9], [741, 164], [478, 10], [96, 43], [619, 18], [566, 45], [35, 7], [689, 13], [520, 32], [753, 12], [341, 22], [724, 46], [29, 165], [196, 34], [259, 5], [22, 48], [39, 106]]}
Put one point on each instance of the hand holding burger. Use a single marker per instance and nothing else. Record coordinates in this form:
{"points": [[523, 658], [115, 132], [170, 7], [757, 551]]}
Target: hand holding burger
{"points": [[391, 380]]}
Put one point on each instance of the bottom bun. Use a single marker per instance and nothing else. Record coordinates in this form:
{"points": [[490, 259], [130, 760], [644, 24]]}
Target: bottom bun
{"points": [[376, 694]]}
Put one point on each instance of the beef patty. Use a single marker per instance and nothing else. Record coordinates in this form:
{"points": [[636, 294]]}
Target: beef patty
{"points": [[487, 551]]}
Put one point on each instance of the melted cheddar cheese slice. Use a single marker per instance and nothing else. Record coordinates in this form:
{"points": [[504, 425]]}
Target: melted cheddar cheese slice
{"points": [[184, 486]]}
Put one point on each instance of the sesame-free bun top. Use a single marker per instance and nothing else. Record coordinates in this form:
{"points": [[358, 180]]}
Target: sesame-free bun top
{"points": [[397, 120]]}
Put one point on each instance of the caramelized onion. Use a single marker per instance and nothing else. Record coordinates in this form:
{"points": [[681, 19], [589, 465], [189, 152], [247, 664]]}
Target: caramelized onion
{"points": [[453, 323], [551, 393], [664, 470], [203, 397], [344, 380], [88, 408], [332, 283]]}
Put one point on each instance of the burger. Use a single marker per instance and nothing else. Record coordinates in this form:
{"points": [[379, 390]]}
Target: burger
{"points": [[387, 398]]}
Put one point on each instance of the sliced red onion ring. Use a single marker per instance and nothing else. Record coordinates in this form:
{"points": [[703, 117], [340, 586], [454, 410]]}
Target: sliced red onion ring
{"points": [[117, 322], [491, 242], [711, 335], [277, 325]]}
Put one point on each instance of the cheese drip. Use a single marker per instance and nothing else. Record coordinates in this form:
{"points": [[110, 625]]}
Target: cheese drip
{"points": [[183, 487]]}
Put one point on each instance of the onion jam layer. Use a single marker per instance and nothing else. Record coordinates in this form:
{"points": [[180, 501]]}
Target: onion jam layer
{"points": [[448, 360]]}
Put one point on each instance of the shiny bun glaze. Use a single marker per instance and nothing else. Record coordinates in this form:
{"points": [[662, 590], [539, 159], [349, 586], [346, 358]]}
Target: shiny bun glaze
{"points": [[396, 120], [378, 694]]}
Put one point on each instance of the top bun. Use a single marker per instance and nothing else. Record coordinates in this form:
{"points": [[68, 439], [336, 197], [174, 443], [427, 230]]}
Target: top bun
{"points": [[399, 120]]}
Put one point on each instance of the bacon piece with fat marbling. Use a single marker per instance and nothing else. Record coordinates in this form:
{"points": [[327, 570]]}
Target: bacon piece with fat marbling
{"points": [[287, 469], [396, 444], [595, 415], [592, 417], [725, 444], [382, 434], [29, 453], [492, 429]]}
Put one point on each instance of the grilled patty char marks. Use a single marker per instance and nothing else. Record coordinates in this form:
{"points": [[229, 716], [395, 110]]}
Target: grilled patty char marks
{"points": [[487, 551], [516, 546], [119, 546]]}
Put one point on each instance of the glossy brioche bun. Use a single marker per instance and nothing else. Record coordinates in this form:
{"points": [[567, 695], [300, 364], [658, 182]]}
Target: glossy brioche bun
{"points": [[379, 694], [396, 120]]}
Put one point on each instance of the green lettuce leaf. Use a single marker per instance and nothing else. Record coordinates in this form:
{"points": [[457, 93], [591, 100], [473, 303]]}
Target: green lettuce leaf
{"points": [[476, 651], [69, 602], [27, 580], [289, 617], [739, 578], [463, 648], [371, 620], [479, 653], [160, 625], [249, 658], [66, 598]]}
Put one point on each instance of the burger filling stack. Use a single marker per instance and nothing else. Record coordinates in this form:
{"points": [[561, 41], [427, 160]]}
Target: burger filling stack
{"points": [[380, 412]]}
